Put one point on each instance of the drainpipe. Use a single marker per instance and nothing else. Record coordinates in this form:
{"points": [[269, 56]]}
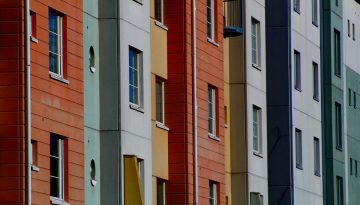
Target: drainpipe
{"points": [[28, 101], [195, 107]]}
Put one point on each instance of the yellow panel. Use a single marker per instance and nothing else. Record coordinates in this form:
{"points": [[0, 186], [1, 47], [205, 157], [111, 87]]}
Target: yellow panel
{"points": [[160, 152], [132, 188], [158, 44]]}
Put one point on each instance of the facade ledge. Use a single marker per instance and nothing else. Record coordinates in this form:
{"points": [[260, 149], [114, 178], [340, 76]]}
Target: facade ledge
{"points": [[58, 78], [256, 67], [213, 137], [136, 107], [35, 168], [161, 126], [58, 201], [33, 39], [212, 42], [139, 2], [258, 154], [226, 125], [161, 25]]}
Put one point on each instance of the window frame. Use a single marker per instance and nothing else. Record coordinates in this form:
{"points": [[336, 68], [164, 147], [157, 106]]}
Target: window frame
{"points": [[255, 38], [210, 13], [162, 103], [61, 167], [297, 70], [212, 118], [317, 157], [351, 166], [353, 32], [337, 53], [298, 149], [258, 113], [163, 195], [340, 190], [348, 28], [338, 126], [315, 12], [316, 84], [161, 20], [133, 52], [213, 193], [59, 42]]}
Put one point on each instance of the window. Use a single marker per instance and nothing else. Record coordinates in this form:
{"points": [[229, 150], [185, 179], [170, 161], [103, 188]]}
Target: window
{"points": [[226, 116], [356, 168], [210, 20], [159, 10], [212, 111], [316, 81], [316, 156], [338, 126], [213, 193], [55, 44], [340, 192], [351, 166], [354, 99], [298, 148], [56, 167], [160, 101], [315, 12], [337, 55], [140, 166], [297, 73], [160, 192], [255, 42], [348, 27], [135, 77], [256, 198], [297, 6], [32, 24], [350, 99], [257, 130], [353, 31], [337, 2]]}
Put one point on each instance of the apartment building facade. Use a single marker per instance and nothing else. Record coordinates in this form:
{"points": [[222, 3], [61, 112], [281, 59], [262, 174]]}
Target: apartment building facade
{"points": [[294, 104], [194, 102], [245, 103], [42, 131]]}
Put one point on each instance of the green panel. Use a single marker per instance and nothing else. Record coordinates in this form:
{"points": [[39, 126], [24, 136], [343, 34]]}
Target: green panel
{"points": [[353, 130]]}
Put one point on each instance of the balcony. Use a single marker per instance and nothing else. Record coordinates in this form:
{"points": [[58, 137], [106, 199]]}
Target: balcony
{"points": [[233, 25]]}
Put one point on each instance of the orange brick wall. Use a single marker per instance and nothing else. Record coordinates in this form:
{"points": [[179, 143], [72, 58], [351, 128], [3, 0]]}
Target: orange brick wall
{"points": [[211, 158], [58, 107]]}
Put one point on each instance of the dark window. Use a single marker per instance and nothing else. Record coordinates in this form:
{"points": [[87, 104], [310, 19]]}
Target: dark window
{"points": [[351, 166], [337, 53], [298, 148], [160, 192], [159, 90], [210, 19], [316, 156], [338, 126], [340, 191], [56, 167], [159, 10], [55, 43], [315, 12], [297, 6], [297, 67], [316, 81], [135, 76]]}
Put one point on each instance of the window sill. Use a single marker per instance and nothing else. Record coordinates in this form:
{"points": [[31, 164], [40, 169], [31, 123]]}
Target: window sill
{"points": [[226, 125], [256, 67], [57, 201], [298, 167], [337, 75], [297, 11], [258, 154], [214, 137], [35, 168], [33, 39], [161, 126], [139, 2], [212, 42], [136, 108], [317, 174], [339, 149], [298, 89], [92, 69], [93, 183], [316, 99], [315, 24], [58, 78], [161, 25]]}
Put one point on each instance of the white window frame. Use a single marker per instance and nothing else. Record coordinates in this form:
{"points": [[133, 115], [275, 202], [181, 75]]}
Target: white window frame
{"points": [[213, 195], [138, 66], [255, 43], [210, 7], [59, 54], [212, 105], [298, 149], [60, 158], [257, 127], [162, 98]]}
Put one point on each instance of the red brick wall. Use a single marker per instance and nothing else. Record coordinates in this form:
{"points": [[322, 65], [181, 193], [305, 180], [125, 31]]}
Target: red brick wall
{"points": [[58, 107], [12, 155], [211, 158]]}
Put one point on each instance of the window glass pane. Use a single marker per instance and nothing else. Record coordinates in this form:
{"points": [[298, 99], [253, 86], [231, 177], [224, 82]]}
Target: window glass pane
{"points": [[159, 101], [298, 147], [338, 126], [160, 193], [158, 10]]}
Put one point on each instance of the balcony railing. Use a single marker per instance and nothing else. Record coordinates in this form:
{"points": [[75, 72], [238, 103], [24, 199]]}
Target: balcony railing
{"points": [[233, 18]]}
